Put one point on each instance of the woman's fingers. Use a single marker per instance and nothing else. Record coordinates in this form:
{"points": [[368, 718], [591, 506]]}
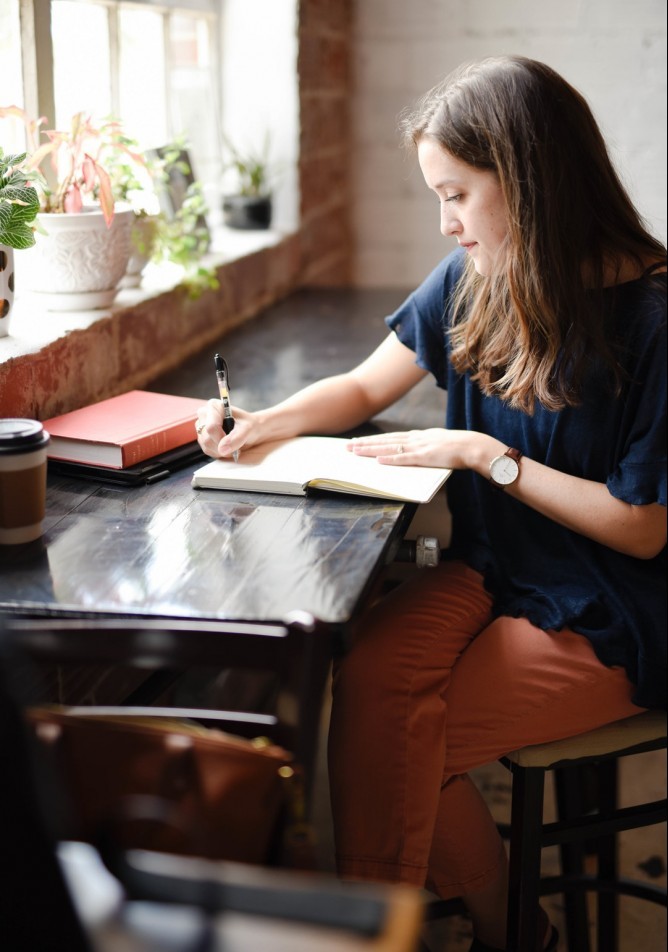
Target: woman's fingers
{"points": [[394, 448]]}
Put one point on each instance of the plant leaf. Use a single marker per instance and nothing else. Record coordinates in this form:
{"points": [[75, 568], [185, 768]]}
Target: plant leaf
{"points": [[20, 236], [106, 195], [72, 201], [23, 200]]}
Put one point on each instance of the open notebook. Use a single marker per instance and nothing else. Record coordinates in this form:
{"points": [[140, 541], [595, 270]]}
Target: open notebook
{"points": [[319, 462]]}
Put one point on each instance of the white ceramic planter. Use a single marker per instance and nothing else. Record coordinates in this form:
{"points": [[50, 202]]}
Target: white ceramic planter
{"points": [[79, 263], [6, 287]]}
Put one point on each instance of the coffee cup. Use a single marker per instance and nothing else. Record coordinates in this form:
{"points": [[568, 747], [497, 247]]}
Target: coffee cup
{"points": [[23, 446]]}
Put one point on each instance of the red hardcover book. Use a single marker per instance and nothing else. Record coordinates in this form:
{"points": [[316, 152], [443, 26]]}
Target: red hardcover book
{"points": [[123, 430]]}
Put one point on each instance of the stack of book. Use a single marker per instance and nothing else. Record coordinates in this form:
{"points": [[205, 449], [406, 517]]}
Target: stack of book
{"points": [[135, 437]]}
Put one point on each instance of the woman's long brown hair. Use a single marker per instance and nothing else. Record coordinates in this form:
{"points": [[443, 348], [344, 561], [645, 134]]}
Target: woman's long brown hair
{"points": [[528, 333]]}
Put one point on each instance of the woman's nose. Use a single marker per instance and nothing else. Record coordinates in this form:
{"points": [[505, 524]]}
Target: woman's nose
{"points": [[450, 224]]}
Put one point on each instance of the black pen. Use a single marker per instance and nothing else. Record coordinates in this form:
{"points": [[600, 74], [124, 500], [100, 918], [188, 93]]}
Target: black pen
{"points": [[222, 377]]}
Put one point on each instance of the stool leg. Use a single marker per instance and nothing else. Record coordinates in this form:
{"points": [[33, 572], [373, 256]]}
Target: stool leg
{"points": [[606, 851], [525, 851], [571, 803]]}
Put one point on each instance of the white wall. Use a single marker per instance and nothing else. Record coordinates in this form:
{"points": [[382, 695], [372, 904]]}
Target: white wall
{"points": [[260, 91], [613, 51]]}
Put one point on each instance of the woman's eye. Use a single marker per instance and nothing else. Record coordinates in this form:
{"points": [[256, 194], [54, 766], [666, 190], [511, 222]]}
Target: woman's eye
{"points": [[452, 198]]}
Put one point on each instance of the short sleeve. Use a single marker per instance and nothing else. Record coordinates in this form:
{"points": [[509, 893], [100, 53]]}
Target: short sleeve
{"points": [[421, 321], [639, 476]]}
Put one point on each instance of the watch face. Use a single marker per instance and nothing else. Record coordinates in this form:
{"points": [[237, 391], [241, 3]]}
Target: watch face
{"points": [[504, 470]]}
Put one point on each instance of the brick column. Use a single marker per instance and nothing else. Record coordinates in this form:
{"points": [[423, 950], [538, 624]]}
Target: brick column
{"points": [[324, 92]]}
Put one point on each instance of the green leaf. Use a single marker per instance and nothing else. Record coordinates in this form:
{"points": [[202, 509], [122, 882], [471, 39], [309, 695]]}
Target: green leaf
{"points": [[23, 199], [20, 236]]}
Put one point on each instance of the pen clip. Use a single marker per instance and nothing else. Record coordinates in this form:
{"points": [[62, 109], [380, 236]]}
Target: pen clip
{"points": [[221, 371]]}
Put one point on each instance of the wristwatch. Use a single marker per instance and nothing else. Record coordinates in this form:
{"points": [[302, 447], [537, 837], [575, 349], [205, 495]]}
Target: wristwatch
{"points": [[504, 470]]}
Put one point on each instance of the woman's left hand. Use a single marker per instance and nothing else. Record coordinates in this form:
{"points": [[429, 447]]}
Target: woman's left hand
{"points": [[446, 449]]}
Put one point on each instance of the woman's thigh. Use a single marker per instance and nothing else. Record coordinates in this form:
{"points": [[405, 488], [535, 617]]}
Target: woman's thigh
{"points": [[517, 685], [428, 621]]}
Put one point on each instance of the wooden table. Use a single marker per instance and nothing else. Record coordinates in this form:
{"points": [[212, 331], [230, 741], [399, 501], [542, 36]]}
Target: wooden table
{"points": [[167, 550]]}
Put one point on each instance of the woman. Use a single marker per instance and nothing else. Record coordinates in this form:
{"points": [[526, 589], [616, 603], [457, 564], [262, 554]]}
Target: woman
{"points": [[547, 328]]}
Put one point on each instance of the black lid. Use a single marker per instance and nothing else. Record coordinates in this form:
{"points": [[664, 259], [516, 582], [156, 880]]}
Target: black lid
{"points": [[21, 436]]}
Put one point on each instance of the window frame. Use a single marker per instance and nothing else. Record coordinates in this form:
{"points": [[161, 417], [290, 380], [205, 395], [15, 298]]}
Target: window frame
{"points": [[37, 49]]}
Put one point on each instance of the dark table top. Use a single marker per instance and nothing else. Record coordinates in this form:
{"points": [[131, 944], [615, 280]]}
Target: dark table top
{"points": [[169, 550]]}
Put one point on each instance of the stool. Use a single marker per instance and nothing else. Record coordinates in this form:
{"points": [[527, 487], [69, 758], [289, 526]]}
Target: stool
{"points": [[575, 832]]}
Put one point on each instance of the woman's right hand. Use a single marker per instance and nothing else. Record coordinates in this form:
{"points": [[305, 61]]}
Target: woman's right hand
{"points": [[214, 441]]}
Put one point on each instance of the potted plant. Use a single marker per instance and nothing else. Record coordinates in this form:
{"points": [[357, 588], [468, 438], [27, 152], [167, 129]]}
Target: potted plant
{"points": [[19, 205], [250, 205], [134, 184], [179, 237], [183, 239], [85, 245]]}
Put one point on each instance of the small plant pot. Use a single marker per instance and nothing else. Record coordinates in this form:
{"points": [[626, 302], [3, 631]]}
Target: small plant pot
{"points": [[143, 239], [78, 264], [242, 211]]}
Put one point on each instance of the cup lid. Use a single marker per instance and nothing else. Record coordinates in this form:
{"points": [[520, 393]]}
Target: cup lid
{"points": [[17, 435]]}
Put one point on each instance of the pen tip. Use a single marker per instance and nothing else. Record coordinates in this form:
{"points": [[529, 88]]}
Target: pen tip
{"points": [[220, 365]]}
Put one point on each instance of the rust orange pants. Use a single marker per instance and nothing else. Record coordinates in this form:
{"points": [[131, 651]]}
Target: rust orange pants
{"points": [[432, 687]]}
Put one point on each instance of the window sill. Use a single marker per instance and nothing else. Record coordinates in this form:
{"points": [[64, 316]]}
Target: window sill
{"points": [[55, 361], [33, 327]]}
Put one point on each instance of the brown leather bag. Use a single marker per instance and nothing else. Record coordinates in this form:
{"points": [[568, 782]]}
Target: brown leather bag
{"points": [[168, 785]]}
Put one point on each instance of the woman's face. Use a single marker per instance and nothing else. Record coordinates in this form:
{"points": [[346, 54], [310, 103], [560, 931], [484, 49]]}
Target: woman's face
{"points": [[473, 208]]}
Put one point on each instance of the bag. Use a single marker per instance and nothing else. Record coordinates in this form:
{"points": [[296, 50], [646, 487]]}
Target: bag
{"points": [[167, 785]]}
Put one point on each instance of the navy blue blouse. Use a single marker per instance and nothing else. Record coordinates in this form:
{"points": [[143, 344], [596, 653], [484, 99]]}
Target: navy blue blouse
{"points": [[533, 567]]}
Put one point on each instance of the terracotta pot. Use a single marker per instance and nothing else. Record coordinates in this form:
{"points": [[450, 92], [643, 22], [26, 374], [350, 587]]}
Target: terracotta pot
{"points": [[79, 263]]}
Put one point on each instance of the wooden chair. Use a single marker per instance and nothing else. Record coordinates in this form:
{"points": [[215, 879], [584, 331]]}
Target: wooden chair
{"points": [[579, 831], [170, 901], [296, 651], [292, 658]]}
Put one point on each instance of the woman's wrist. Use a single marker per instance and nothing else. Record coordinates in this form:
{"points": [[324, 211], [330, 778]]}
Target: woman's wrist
{"points": [[482, 451], [269, 424]]}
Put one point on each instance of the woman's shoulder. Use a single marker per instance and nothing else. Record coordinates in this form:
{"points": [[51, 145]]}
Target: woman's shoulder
{"points": [[432, 294], [441, 283], [638, 316]]}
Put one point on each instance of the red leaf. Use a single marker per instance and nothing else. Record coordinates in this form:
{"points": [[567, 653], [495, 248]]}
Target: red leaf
{"points": [[73, 201]]}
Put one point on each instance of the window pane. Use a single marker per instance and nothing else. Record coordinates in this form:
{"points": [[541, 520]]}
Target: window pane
{"points": [[12, 137], [80, 34], [193, 94], [190, 41], [143, 92]]}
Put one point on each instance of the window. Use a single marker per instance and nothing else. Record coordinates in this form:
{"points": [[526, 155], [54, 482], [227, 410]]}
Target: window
{"points": [[153, 65], [166, 68], [10, 72]]}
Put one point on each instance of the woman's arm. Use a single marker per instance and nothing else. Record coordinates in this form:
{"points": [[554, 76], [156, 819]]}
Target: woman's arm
{"points": [[332, 405], [589, 508], [579, 504]]}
